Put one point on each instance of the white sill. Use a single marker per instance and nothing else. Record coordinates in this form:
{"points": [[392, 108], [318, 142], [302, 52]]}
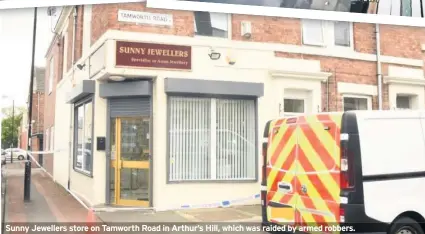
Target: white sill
{"points": [[314, 45], [82, 171], [211, 37]]}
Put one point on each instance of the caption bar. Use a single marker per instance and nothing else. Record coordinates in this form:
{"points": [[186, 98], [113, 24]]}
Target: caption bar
{"points": [[174, 228]]}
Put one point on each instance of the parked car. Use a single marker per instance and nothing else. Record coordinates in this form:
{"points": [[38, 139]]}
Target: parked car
{"points": [[17, 153], [3, 157]]}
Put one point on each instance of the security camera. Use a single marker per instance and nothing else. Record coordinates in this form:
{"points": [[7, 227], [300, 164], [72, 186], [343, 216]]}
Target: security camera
{"points": [[81, 66], [230, 60]]}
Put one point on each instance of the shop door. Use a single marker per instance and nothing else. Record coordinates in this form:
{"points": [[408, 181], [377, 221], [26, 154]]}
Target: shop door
{"points": [[130, 161]]}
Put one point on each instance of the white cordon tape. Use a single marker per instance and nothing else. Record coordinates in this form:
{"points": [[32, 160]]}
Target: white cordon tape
{"points": [[224, 203], [51, 176]]}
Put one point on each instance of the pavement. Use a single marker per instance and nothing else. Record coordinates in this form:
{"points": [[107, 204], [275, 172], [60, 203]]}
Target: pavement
{"points": [[51, 203]]}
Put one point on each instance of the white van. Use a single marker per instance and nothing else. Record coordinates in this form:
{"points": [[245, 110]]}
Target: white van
{"points": [[360, 169]]}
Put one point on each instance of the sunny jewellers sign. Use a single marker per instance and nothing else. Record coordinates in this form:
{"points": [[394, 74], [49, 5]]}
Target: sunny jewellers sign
{"points": [[157, 56]]}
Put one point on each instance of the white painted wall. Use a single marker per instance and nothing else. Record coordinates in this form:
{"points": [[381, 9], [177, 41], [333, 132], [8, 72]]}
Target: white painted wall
{"points": [[406, 81], [62, 133]]}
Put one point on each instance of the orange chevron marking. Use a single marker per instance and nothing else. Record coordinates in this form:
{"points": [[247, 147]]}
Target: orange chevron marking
{"points": [[314, 178], [282, 143], [317, 145], [306, 200], [285, 166]]}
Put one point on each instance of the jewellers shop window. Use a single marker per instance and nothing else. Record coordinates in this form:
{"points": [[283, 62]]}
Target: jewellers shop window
{"points": [[211, 139], [83, 136], [211, 24]]}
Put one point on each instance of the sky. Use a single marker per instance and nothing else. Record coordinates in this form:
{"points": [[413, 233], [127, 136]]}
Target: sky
{"points": [[16, 27]]}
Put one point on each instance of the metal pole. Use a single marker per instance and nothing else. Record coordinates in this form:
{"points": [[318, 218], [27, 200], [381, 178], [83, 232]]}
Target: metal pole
{"points": [[27, 180], [13, 130], [422, 8]]}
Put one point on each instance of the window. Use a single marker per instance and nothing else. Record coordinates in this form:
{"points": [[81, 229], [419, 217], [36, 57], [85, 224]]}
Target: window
{"points": [[342, 33], [293, 106], [313, 32], [406, 8], [83, 136], [356, 103], [212, 139], [211, 24], [403, 102], [410, 8], [47, 139], [327, 33], [51, 74]]}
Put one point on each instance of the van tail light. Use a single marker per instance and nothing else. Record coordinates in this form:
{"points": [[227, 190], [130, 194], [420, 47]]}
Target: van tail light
{"points": [[264, 167], [347, 172], [341, 215]]}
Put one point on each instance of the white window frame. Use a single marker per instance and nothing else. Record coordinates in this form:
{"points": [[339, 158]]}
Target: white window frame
{"points": [[51, 73], [328, 30], [83, 170], [289, 114], [306, 41], [368, 98], [229, 28], [212, 147]]}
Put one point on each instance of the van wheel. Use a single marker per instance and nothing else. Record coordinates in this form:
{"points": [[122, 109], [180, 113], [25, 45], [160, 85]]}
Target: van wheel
{"points": [[405, 225], [21, 157]]}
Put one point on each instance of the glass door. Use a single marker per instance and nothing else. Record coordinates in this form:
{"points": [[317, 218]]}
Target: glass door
{"points": [[130, 155]]}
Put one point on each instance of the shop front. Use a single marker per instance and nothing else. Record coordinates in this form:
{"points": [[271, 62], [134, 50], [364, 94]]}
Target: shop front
{"points": [[160, 135]]}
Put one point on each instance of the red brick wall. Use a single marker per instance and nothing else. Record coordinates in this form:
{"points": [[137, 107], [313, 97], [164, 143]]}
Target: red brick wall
{"points": [[23, 136], [268, 29], [105, 17], [38, 112], [400, 41], [78, 50]]}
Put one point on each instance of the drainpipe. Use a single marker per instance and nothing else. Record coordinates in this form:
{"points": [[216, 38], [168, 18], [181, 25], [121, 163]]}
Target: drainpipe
{"points": [[378, 66], [71, 106]]}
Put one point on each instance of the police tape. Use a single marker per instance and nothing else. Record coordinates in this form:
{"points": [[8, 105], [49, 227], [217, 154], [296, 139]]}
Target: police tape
{"points": [[218, 204], [224, 203]]}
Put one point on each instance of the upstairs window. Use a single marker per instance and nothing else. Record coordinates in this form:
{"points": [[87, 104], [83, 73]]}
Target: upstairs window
{"points": [[211, 24], [327, 33]]}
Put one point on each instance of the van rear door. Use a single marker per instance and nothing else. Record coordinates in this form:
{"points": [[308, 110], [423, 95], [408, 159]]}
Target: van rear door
{"points": [[318, 169], [281, 172]]}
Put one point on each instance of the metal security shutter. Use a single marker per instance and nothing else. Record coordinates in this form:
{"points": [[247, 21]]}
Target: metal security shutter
{"points": [[122, 107]]}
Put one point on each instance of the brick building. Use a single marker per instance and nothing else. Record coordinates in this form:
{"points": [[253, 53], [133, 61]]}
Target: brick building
{"points": [[37, 115], [156, 102]]}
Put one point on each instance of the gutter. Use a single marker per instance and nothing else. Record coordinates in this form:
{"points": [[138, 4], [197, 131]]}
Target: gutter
{"points": [[378, 65]]}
